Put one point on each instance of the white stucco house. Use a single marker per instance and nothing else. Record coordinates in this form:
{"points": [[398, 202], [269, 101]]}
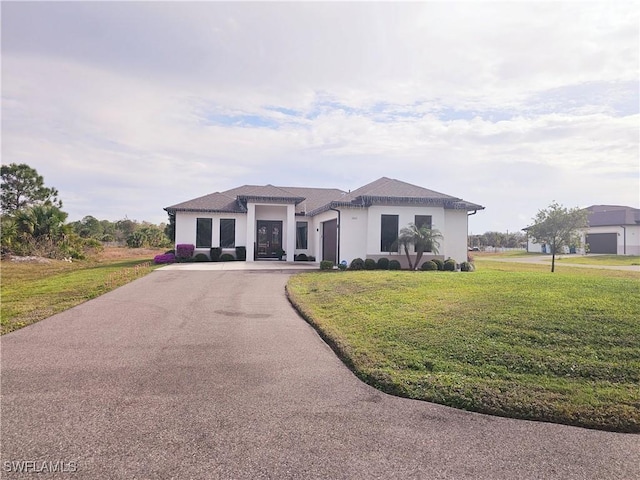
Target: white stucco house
{"points": [[613, 229], [324, 223]]}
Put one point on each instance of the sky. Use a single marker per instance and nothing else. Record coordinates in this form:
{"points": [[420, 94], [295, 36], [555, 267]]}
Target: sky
{"points": [[130, 107]]}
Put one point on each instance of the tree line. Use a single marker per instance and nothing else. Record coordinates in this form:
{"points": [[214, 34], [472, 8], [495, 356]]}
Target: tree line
{"points": [[498, 240], [33, 222]]}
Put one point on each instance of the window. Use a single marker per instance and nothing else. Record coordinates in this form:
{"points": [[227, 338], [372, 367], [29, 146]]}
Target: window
{"points": [[302, 230], [422, 221], [227, 232], [388, 233], [203, 232]]}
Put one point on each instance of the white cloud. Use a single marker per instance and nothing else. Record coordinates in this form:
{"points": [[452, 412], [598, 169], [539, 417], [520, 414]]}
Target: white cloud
{"points": [[129, 107]]}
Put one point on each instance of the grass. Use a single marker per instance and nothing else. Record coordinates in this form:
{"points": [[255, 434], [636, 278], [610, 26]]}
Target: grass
{"points": [[510, 339], [34, 291], [613, 260], [609, 260]]}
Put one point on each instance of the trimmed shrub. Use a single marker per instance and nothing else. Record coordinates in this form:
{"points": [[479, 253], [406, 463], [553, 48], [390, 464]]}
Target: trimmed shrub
{"points": [[450, 265], [394, 265], [356, 264], [241, 254], [429, 265], [466, 267], [172, 252], [439, 263], [215, 253], [326, 265], [369, 264], [302, 257], [165, 258], [226, 257], [383, 263], [201, 257], [184, 251]]}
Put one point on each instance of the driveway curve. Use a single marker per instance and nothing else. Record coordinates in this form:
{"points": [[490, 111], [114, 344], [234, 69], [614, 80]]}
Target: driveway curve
{"points": [[212, 374]]}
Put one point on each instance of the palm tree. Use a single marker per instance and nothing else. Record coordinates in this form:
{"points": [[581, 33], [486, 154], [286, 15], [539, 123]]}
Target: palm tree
{"points": [[41, 227], [424, 238]]}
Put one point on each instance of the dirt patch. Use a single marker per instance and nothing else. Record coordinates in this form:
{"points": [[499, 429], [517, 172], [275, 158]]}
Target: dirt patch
{"points": [[112, 253], [29, 259]]}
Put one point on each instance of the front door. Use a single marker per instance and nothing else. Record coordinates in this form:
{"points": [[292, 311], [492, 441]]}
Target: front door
{"points": [[330, 241], [269, 238]]}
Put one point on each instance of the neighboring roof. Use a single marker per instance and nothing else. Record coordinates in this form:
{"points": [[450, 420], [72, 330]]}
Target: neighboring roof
{"points": [[613, 215], [610, 215], [311, 201]]}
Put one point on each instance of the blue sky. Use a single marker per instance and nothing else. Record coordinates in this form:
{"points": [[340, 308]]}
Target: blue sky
{"points": [[128, 107]]}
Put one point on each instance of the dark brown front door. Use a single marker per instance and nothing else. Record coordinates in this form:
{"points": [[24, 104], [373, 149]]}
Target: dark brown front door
{"points": [[269, 238], [330, 241]]}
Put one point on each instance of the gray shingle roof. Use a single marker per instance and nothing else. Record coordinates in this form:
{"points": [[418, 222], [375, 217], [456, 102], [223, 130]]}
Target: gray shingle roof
{"points": [[612, 215], [316, 200], [388, 191], [214, 202]]}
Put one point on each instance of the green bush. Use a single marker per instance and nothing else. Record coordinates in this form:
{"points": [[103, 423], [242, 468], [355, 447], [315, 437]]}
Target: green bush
{"points": [[394, 265], [326, 265], [201, 257], [450, 265], [215, 253], [429, 265], [383, 263], [439, 263], [466, 267], [369, 264], [241, 254], [227, 257], [356, 264]]}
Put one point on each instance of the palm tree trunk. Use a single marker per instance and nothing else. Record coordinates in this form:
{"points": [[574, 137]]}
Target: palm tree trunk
{"points": [[406, 251]]}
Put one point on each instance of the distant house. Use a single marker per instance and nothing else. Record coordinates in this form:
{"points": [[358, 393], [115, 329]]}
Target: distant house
{"points": [[325, 223], [613, 229]]}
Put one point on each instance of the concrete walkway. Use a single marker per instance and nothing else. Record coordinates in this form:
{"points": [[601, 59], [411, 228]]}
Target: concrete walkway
{"points": [[211, 374], [259, 266]]}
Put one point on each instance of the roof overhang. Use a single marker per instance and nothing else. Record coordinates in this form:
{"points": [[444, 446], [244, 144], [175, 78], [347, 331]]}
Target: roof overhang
{"points": [[269, 199]]}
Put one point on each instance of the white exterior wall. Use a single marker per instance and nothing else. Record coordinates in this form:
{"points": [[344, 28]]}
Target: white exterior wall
{"points": [[353, 233], [455, 235], [359, 229], [632, 237], [633, 240], [186, 228], [406, 215], [533, 247]]}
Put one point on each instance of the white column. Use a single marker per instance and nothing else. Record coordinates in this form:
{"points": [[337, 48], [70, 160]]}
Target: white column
{"points": [[251, 230], [290, 247]]}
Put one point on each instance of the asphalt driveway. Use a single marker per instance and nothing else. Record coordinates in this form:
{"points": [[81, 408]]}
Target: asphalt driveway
{"points": [[211, 374]]}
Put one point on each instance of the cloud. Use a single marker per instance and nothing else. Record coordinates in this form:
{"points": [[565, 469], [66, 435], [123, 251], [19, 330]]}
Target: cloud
{"points": [[129, 107]]}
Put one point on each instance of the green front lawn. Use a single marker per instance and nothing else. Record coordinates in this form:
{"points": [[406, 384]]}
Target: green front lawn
{"points": [[613, 260], [34, 291], [510, 339]]}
